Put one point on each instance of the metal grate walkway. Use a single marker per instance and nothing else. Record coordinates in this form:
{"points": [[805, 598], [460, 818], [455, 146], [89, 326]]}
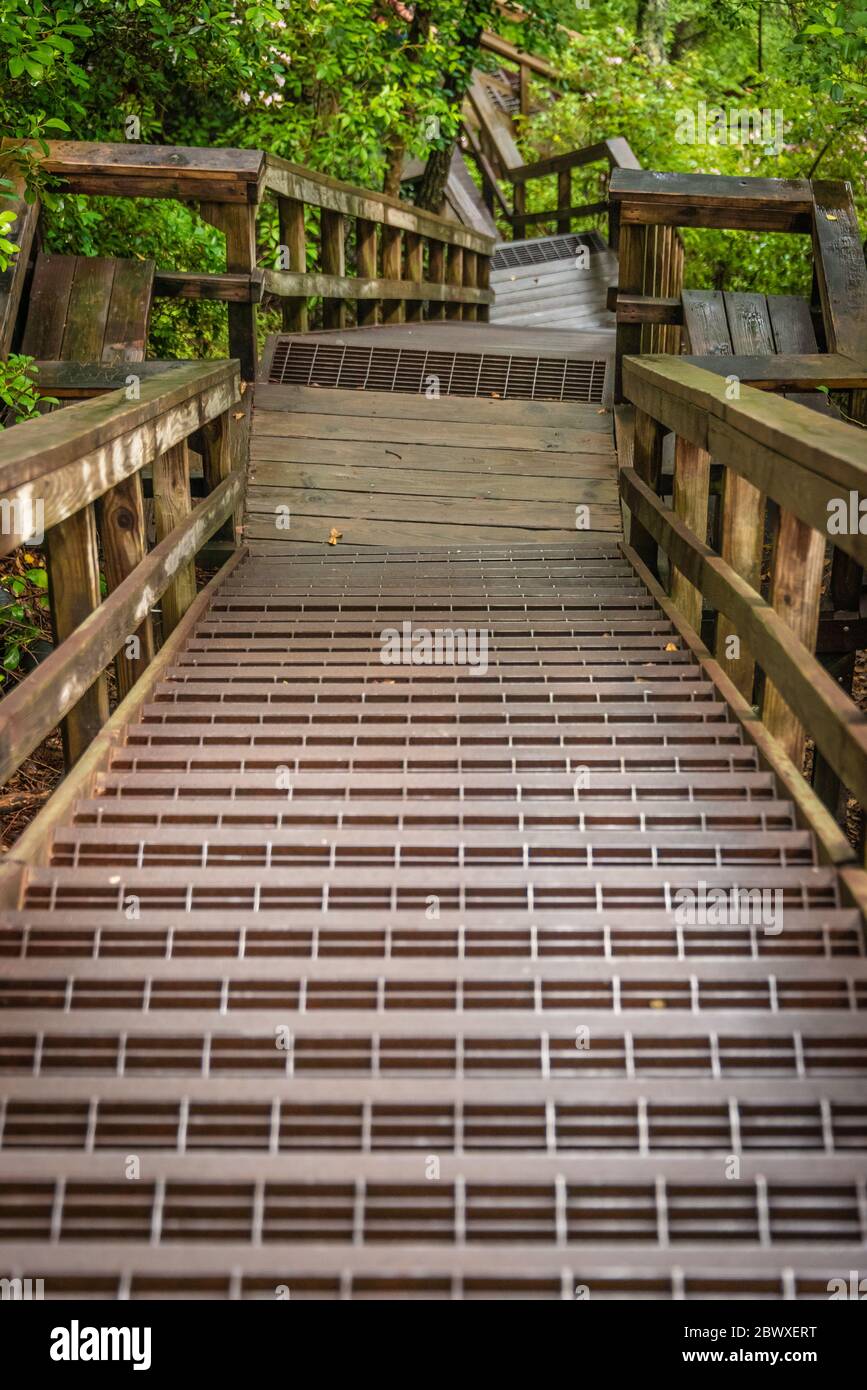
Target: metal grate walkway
{"points": [[381, 972]]}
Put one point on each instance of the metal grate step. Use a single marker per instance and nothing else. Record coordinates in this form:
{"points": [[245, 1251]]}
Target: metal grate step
{"points": [[543, 249]]}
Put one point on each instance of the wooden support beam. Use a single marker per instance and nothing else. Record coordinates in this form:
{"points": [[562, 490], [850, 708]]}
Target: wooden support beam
{"points": [[332, 237], [172, 506], [564, 201], [647, 461], [630, 281], [483, 278], [123, 533], [436, 272], [392, 269], [366, 310], [690, 502], [215, 439], [73, 577], [294, 238], [469, 280]]}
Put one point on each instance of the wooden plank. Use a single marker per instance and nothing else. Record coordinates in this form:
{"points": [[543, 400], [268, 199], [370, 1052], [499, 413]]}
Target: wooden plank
{"points": [[177, 284], [749, 324], [73, 571], [841, 272], [796, 590], [385, 531], [413, 308], [706, 323], [630, 280], [172, 507], [496, 124], [791, 324], [21, 232], [691, 487], [215, 438], [352, 287], [396, 505], [597, 460], [366, 310], [126, 326], [838, 727], [712, 200], [454, 278], [123, 534], [471, 436], [156, 171], [742, 533], [48, 306], [436, 269], [559, 163], [293, 236], [430, 482]]}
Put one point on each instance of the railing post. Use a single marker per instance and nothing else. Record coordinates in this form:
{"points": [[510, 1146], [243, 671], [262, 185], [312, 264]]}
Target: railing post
{"points": [[365, 268], [215, 438], [172, 505], [742, 534], [436, 272], [392, 239], [524, 89], [413, 310], [483, 276], [647, 461], [123, 534], [564, 200], [293, 237], [73, 573], [519, 208], [796, 589], [238, 223], [332, 232], [470, 276], [630, 280], [691, 487], [455, 277]]}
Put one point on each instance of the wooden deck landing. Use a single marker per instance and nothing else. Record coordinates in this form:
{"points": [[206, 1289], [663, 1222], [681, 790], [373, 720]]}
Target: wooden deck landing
{"points": [[388, 468]]}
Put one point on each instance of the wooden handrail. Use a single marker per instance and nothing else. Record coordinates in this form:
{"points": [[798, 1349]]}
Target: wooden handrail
{"points": [[76, 476], [615, 151], [815, 469], [405, 258]]}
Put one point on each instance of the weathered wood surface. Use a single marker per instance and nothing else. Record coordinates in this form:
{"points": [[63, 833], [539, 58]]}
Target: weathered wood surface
{"points": [[376, 466], [21, 233], [712, 200], [88, 309]]}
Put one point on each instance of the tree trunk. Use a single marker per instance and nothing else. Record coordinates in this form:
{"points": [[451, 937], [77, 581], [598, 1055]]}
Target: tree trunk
{"points": [[650, 23], [432, 185]]}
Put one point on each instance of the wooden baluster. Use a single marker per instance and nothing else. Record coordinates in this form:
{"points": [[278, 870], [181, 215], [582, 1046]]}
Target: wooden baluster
{"points": [[742, 534], [73, 577], [123, 532], [630, 281], [470, 276], [436, 272], [332, 233], [293, 237], [392, 269], [524, 89], [519, 208], [483, 275], [414, 309], [564, 200], [171, 507], [847, 579], [690, 501], [365, 268], [455, 277], [649, 331], [647, 461], [796, 589], [222, 444], [238, 223]]}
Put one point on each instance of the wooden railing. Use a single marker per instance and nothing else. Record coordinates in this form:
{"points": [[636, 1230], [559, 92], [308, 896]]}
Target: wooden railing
{"points": [[408, 263], [809, 466], [76, 475], [650, 207], [616, 153]]}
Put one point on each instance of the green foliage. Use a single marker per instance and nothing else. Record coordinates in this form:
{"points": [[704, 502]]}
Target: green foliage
{"points": [[24, 605], [19, 396]]}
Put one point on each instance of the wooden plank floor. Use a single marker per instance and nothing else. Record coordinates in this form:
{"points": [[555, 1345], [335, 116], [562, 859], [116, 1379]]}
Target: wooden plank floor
{"points": [[396, 469], [378, 967]]}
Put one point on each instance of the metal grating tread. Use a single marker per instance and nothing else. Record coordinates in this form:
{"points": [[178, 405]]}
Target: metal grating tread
{"points": [[298, 361], [540, 250], [323, 918]]}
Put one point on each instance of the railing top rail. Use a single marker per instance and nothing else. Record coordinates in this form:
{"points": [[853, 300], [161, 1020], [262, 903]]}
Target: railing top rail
{"points": [[37, 448], [320, 190], [155, 171], [648, 196], [617, 151]]}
